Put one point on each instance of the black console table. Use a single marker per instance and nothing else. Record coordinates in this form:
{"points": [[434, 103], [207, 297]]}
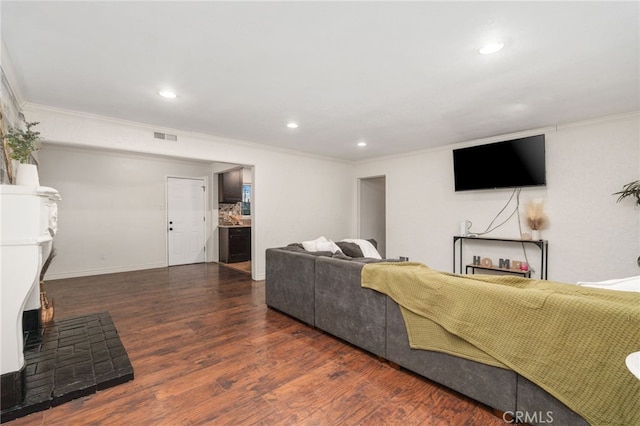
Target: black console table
{"points": [[526, 274], [543, 245]]}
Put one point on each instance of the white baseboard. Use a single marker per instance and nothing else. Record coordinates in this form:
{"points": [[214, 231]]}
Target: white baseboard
{"points": [[102, 271], [114, 270]]}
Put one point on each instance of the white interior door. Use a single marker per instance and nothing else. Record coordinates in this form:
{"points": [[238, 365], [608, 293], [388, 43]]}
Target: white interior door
{"points": [[186, 220]]}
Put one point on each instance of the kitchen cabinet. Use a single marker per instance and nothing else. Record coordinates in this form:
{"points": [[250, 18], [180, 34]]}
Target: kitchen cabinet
{"points": [[235, 244], [230, 187]]}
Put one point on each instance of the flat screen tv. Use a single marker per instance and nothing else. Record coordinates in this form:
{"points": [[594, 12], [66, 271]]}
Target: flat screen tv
{"points": [[509, 164]]}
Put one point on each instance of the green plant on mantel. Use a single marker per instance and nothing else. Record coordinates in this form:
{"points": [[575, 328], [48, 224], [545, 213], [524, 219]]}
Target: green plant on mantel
{"points": [[23, 142], [632, 189]]}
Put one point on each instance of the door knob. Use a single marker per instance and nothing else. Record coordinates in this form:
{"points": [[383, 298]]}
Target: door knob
{"points": [[170, 222], [170, 229]]}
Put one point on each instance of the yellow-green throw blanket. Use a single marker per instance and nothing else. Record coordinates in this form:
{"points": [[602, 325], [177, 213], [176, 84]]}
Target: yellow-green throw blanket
{"points": [[572, 341]]}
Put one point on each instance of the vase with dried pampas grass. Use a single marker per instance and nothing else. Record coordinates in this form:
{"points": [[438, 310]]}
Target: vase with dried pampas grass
{"points": [[536, 218]]}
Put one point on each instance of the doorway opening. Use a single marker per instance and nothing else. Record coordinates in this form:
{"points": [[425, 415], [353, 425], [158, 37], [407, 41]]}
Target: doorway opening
{"points": [[234, 211], [372, 211]]}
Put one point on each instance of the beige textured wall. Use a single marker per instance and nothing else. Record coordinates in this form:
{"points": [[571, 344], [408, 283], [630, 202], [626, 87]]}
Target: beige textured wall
{"points": [[590, 236]]}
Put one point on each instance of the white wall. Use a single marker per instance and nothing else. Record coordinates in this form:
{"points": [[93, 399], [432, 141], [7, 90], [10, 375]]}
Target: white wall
{"points": [[299, 197], [112, 216], [590, 236], [296, 197]]}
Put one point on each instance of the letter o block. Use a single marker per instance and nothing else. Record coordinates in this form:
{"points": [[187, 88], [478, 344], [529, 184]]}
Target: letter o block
{"points": [[486, 262]]}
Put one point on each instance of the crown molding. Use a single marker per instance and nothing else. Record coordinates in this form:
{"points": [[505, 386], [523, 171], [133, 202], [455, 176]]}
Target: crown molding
{"points": [[30, 106]]}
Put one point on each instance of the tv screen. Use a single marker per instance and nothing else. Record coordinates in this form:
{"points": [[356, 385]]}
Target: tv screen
{"points": [[509, 164]]}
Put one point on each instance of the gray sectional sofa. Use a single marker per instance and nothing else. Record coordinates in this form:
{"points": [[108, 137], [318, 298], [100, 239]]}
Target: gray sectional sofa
{"points": [[324, 291]]}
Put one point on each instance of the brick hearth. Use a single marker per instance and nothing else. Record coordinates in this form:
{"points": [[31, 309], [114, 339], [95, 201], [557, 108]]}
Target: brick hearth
{"points": [[69, 359]]}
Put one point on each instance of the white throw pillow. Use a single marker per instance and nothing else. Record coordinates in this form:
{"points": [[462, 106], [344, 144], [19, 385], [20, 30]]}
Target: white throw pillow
{"points": [[368, 250], [623, 284], [321, 244]]}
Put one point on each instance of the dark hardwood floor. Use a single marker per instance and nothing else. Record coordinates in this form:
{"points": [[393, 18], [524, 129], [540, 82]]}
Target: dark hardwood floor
{"points": [[206, 350]]}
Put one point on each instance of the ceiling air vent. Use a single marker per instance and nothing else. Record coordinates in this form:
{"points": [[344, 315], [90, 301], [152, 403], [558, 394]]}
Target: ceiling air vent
{"points": [[165, 136]]}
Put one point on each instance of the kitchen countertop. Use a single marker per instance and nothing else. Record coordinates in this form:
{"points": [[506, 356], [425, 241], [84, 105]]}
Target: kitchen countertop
{"points": [[234, 226]]}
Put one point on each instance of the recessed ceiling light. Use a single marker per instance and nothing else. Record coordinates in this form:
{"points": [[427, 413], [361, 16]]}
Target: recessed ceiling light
{"points": [[167, 94], [292, 125], [490, 48], [362, 143]]}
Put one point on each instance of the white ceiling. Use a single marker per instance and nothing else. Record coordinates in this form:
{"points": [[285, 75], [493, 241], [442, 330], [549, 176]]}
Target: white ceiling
{"points": [[401, 76]]}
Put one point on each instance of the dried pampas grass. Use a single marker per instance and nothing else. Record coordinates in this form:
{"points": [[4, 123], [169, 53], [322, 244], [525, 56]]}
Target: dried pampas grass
{"points": [[536, 219]]}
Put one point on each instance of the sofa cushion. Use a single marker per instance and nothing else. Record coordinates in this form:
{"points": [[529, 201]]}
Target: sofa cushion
{"points": [[298, 248], [350, 249], [346, 310], [289, 283], [295, 247], [367, 247], [320, 244], [372, 260]]}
